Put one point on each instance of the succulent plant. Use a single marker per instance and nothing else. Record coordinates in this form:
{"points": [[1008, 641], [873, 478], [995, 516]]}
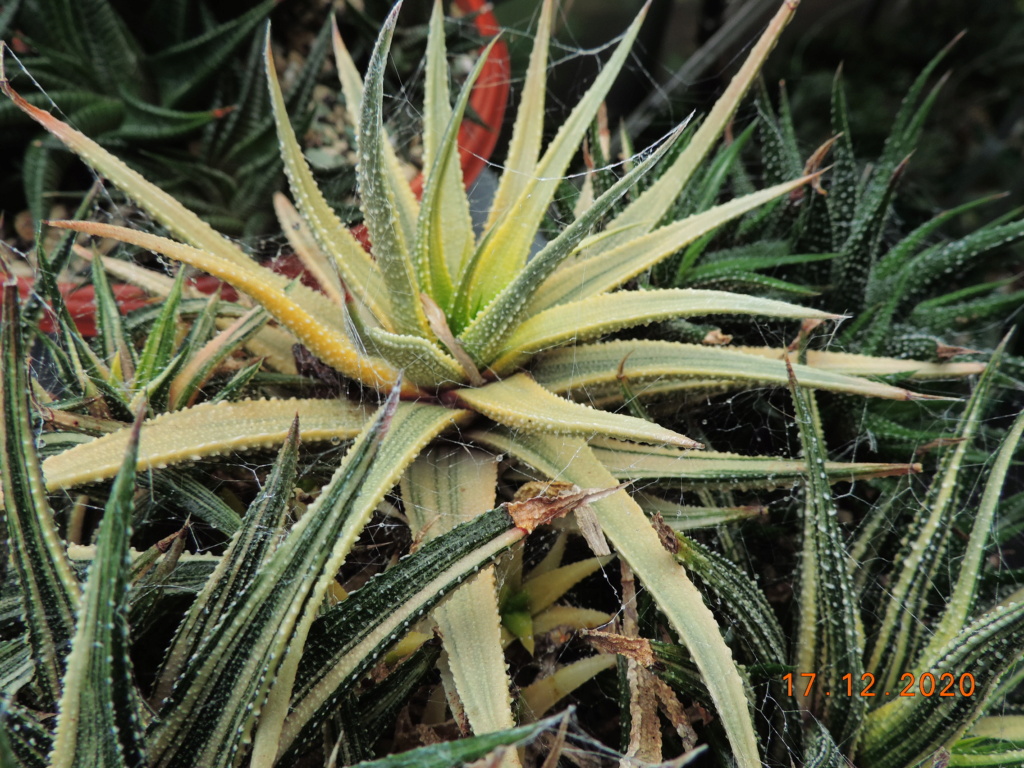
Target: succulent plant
{"points": [[476, 348]]}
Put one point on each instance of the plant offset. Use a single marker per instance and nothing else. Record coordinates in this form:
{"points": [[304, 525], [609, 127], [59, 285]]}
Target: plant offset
{"points": [[467, 359]]}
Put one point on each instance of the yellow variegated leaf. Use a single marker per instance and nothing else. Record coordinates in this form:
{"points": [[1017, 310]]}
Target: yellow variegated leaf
{"points": [[491, 326], [204, 431], [354, 264], [449, 228], [178, 219], [524, 148], [398, 172], [542, 695], [713, 469], [519, 402], [649, 208], [504, 249], [304, 245], [612, 267], [309, 315], [865, 365], [418, 359], [580, 368], [391, 235], [633, 537], [543, 589], [595, 316]]}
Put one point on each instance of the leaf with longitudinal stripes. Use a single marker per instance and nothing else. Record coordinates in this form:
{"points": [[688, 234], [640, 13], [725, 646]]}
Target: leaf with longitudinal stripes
{"points": [[97, 720], [49, 590]]}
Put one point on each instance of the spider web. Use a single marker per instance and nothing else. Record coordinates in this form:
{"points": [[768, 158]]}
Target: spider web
{"points": [[754, 420]]}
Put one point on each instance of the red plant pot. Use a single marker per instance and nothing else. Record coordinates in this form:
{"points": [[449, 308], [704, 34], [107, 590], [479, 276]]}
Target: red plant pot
{"points": [[476, 144]]}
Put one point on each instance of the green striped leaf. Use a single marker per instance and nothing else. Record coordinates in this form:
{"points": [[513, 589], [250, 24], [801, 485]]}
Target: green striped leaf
{"points": [[969, 567], [413, 426], [741, 601], [222, 688], [350, 636], [49, 590], [464, 751], [97, 720], [830, 639], [184, 388], [923, 548], [906, 730], [249, 550]]}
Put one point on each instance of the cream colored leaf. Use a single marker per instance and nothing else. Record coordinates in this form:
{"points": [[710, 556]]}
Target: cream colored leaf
{"points": [[634, 539], [506, 244], [354, 264], [649, 208], [865, 365], [587, 367], [202, 432], [524, 148], [637, 251], [598, 315], [519, 402]]}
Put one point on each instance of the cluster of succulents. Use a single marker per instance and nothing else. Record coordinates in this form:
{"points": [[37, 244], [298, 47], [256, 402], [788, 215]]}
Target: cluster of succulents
{"points": [[506, 405]]}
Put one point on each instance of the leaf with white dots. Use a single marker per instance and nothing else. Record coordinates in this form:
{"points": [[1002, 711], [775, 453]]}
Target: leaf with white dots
{"points": [[98, 723]]}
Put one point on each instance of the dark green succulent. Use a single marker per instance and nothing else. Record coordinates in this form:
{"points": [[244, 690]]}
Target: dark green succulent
{"points": [[173, 88]]}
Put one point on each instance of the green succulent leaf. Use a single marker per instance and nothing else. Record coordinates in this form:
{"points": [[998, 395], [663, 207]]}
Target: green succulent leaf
{"points": [[98, 715], [969, 567], [49, 589], [221, 688], [349, 637], [898, 642], [905, 731], [183, 68], [452, 753], [830, 640], [392, 239], [249, 551]]}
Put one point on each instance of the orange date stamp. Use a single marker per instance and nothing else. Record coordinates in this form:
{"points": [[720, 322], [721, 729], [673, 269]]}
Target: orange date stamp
{"points": [[927, 684]]}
